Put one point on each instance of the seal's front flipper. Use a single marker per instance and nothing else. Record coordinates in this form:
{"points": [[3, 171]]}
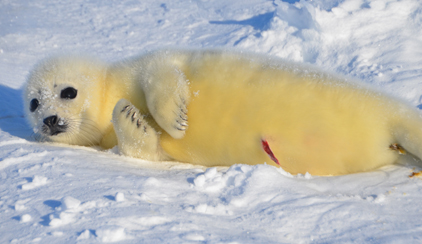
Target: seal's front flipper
{"points": [[167, 93], [136, 138], [168, 107]]}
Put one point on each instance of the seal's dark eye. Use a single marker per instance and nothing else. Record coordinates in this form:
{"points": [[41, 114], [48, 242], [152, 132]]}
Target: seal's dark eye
{"points": [[68, 93], [33, 105]]}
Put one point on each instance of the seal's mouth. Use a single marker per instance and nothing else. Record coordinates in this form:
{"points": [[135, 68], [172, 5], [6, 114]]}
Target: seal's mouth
{"points": [[55, 132], [53, 126]]}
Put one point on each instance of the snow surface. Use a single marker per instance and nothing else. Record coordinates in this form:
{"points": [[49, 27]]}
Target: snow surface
{"points": [[53, 193]]}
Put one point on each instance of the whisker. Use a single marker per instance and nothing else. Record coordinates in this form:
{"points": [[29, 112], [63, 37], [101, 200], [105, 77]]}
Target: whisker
{"points": [[79, 131], [89, 131]]}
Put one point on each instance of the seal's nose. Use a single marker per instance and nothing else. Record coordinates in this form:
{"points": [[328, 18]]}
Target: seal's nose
{"points": [[51, 121]]}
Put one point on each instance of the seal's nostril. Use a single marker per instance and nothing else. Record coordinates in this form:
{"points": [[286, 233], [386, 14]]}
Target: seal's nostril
{"points": [[50, 121]]}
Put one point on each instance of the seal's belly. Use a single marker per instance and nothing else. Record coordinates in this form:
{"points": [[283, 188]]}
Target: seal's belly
{"points": [[307, 130]]}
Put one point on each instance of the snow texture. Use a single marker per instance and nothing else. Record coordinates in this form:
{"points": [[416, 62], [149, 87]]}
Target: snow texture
{"points": [[51, 193]]}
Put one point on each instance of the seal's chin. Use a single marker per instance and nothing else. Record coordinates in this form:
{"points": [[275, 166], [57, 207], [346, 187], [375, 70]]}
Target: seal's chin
{"points": [[57, 137], [55, 133]]}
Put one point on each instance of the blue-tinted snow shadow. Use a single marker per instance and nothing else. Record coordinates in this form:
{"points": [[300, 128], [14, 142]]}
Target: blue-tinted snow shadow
{"points": [[110, 197], [53, 204], [45, 220], [12, 118], [91, 231], [18, 218], [259, 22]]}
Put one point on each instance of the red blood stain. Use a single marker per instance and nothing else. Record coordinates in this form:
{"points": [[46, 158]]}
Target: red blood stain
{"points": [[267, 149]]}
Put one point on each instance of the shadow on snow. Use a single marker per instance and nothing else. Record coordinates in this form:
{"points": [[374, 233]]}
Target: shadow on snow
{"points": [[12, 118]]}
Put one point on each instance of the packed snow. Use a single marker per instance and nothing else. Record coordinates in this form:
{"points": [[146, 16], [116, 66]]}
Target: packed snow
{"points": [[52, 193]]}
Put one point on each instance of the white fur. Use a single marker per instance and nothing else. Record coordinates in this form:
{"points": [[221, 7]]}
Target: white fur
{"points": [[216, 107]]}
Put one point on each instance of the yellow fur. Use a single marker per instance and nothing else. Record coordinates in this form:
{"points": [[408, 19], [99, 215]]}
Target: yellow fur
{"points": [[310, 124], [313, 121]]}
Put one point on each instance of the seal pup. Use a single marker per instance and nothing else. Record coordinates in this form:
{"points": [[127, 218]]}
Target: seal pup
{"points": [[219, 108]]}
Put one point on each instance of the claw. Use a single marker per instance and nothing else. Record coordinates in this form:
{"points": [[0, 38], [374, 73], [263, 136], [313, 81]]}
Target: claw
{"points": [[124, 108], [182, 123], [183, 118], [133, 116], [398, 148], [129, 111]]}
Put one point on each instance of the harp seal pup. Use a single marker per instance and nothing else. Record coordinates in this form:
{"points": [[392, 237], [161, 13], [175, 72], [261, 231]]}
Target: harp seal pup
{"points": [[219, 108]]}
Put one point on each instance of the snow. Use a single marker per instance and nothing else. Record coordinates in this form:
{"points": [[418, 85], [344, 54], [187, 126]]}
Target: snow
{"points": [[52, 193], [25, 218], [120, 197]]}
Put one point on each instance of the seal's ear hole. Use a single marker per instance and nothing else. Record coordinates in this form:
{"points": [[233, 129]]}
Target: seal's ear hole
{"points": [[33, 105], [68, 93]]}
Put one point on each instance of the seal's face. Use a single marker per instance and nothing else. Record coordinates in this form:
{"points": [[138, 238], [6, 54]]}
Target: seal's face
{"points": [[52, 107], [60, 99]]}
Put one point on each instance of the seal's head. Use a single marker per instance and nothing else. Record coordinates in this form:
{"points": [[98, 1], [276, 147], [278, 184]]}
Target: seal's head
{"points": [[62, 99]]}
